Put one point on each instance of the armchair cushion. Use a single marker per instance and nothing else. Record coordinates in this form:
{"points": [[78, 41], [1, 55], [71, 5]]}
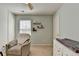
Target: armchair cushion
{"points": [[16, 50]]}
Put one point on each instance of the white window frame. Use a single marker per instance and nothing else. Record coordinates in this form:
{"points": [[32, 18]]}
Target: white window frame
{"points": [[25, 30]]}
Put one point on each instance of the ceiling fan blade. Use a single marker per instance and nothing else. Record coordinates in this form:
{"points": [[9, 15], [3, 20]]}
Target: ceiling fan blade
{"points": [[30, 6]]}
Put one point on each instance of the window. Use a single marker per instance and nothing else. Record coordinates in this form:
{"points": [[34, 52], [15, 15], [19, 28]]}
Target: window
{"points": [[25, 26]]}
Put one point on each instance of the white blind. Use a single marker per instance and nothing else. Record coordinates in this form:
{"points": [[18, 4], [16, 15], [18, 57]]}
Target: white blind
{"points": [[25, 26]]}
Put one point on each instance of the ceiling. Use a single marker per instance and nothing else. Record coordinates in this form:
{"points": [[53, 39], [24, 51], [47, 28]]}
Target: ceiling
{"points": [[38, 8]]}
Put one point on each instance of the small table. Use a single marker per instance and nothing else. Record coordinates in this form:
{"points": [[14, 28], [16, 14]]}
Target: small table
{"points": [[1, 53]]}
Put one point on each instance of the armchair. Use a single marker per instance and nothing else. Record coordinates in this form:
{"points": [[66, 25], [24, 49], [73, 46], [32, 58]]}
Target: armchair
{"points": [[19, 47]]}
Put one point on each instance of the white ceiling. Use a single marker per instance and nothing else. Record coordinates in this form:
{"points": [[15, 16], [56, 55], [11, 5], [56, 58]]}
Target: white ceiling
{"points": [[38, 8]]}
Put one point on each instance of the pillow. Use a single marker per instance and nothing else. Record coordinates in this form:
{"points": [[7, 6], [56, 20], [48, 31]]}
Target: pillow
{"points": [[12, 43]]}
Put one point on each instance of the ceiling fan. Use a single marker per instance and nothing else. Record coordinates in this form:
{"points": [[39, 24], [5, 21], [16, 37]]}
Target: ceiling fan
{"points": [[30, 6]]}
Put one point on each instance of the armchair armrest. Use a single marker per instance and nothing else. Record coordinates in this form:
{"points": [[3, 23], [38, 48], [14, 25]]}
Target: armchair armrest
{"points": [[25, 44], [27, 41], [25, 48]]}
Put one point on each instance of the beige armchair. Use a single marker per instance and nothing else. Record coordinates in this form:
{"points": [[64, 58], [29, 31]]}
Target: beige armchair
{"points": [[19, 47]]}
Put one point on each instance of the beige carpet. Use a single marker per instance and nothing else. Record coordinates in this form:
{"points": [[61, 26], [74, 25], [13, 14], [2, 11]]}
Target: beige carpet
{"points": [[39, 50]]}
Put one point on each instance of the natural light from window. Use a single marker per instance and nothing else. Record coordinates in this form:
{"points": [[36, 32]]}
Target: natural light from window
{"points": [[25, 26]]}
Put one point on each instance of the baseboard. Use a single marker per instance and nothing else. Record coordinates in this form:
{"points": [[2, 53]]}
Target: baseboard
{"points": [[41, 45]]}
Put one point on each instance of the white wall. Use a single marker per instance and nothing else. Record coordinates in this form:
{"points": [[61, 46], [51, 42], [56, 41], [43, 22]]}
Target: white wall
{"points": [[42, 36], [11, 26], [69, 21], [6, 26], [55, 25], [3, 26]]}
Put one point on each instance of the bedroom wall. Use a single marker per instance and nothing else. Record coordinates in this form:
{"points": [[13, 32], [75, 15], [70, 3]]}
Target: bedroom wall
{"points": [[6, 26], [68, 21], [42, 36], [3, 26], [11, 26]]}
